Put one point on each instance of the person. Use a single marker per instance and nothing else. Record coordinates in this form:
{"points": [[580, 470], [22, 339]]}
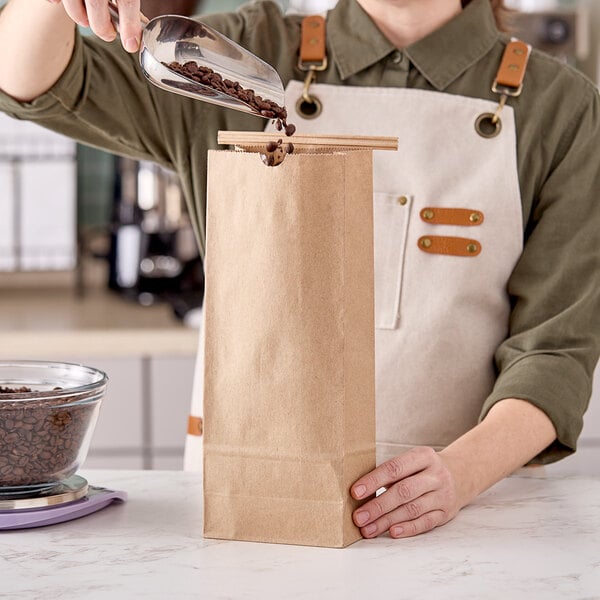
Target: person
{"points": [[488, 333]]}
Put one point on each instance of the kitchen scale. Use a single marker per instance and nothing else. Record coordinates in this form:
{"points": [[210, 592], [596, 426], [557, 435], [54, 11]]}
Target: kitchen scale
{"points": [[64, 501]]}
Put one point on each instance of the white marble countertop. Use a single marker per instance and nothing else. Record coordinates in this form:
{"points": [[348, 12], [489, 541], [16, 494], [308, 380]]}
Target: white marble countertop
{"points": [[535, 537]]}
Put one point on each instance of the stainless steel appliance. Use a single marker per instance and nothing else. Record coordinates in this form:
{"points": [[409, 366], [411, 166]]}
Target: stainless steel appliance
{"points": [[562, 32], [153, 256]]}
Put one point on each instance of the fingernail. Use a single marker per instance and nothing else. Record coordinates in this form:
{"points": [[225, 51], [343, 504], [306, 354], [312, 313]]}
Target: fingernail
{"points": [[359, 491], [397, 531], [362, 517], [131, 44], [369, 529]]}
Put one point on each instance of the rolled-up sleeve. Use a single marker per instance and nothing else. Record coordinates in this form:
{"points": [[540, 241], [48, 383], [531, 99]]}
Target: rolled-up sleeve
{"points": [[554, 340], [103, 100]]}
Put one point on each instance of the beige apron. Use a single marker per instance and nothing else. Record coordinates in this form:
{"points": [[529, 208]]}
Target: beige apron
{"points": [[439, 318]]}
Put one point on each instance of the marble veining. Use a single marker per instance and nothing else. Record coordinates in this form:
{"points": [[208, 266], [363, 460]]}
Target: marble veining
{"points": [[534, 537]]}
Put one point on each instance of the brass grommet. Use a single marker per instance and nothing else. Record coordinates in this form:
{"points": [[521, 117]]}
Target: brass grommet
{"points": [[402, 200], [309, 110], [472, 248], [486, 127], [426, 242], [427, 214], [474, 217]]}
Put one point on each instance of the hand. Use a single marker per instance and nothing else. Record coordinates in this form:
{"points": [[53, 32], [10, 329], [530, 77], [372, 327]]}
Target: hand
{"points": [[94, 14], [420, 495]]}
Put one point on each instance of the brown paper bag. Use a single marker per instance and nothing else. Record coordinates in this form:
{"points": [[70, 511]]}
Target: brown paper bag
{"points": [[289, 398]]}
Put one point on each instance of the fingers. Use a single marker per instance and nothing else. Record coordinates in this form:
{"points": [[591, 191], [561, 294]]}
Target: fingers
{"points": [[424, 523], [415, 516], [95, 14], [99, 19], [406, 494], [402, 466], [130, 28], [420, 495], [76, 10]]}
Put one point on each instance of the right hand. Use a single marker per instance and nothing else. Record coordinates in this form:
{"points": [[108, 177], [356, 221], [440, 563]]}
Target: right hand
{"points": [[94, 14]]}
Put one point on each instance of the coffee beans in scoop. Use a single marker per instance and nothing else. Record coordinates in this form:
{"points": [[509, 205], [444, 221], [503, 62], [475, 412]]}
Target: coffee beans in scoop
{"points": [[274, 151], [262, 106]]}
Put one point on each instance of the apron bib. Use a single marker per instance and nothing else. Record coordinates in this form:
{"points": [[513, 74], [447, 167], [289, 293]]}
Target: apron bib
{"points": [[441, 305]]}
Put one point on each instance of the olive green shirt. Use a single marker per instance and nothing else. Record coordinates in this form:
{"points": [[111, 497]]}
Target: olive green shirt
{"points": [[553, 344]]}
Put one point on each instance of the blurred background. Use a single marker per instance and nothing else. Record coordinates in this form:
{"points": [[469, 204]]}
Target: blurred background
{"points": [[98, 262]]}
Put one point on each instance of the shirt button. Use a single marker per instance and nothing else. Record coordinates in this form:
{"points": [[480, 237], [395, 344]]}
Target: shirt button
{"points": [[397, 57]]}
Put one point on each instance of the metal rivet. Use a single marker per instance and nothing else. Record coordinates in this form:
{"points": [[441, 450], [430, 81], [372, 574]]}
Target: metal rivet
{"points": [[486, 126], [402, 200], [472, 248], [309, 110], [428, 214], [518, 51], [513, 67], [426, 243], [474, 217]]}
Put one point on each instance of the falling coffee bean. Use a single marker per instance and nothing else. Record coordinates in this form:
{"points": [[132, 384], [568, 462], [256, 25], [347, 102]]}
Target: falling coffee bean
{"points": [[275, 152]]}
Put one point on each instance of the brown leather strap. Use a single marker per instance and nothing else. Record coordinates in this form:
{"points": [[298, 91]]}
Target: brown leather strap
{"points": [[195, 426], [514, 63], [452, 246], [312, 46], [452, 216]]}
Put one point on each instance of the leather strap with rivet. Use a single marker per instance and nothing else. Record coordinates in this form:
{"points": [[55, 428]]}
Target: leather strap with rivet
{"points": [[507, 83], [313, 54], [312, 58], [452, 216], [451, 246], [509, 79]]}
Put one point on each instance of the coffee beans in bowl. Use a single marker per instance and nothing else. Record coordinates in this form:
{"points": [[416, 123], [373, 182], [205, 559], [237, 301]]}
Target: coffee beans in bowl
{"points": [[48, 412]]}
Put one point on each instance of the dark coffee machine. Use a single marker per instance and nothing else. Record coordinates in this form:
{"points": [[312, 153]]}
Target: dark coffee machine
{"points": [[153, 255]]}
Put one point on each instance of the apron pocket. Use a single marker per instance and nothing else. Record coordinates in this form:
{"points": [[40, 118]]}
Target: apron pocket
{"points": [[391, 213]]}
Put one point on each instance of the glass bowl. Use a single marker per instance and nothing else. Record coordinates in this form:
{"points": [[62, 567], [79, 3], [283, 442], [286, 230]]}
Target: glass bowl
{"points": [[48, 411]]}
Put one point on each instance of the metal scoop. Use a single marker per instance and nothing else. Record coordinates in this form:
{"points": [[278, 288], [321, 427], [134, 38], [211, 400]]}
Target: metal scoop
{"points": [[172, 38]]}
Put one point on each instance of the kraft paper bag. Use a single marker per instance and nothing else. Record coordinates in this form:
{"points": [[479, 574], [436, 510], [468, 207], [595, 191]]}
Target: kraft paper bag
{"points": [[289, 392]]}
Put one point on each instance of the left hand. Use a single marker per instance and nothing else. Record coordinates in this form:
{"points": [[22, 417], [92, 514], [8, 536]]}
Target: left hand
{"points": [[421, 494]]}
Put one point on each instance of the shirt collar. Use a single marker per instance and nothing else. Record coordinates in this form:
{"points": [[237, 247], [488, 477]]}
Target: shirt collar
{"points": [[356, 43]]}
